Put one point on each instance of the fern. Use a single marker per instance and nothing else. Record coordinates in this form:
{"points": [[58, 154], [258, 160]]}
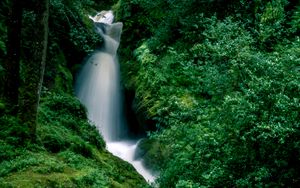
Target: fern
{"points": [[295, 22]]}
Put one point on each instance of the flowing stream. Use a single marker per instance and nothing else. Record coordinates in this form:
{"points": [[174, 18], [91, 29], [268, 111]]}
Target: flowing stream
{"points": [[98, 88]]}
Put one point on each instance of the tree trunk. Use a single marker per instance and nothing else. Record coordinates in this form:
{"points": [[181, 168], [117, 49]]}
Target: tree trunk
{"points": [[12, 62], [34, 66]]}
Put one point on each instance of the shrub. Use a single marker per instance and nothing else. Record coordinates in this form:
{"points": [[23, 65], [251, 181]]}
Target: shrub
{"points": [[12, 132], [9, 151], [72, 159], [64, 125], [94, 178], [55, 138], [61, 104]]}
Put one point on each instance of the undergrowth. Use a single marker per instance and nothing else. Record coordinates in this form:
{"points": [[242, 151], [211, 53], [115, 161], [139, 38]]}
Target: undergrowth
{"points": [[69, 152]]}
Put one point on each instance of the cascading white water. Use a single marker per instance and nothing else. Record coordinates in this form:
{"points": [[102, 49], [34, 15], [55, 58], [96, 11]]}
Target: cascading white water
{"points": [[98, 88]]}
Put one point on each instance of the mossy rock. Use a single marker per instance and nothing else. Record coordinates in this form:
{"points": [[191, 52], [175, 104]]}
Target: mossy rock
{"points": [[153, 153], [63, 79], [70, 152], [68, 169]]}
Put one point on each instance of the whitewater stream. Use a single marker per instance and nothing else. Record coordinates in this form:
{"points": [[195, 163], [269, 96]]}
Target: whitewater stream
{"points": [[98, 88]]}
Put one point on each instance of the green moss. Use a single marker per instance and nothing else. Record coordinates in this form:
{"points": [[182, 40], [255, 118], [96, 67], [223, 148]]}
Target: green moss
{"points": [[70, 152], [67, 169], [63, 80], [58, 77]]}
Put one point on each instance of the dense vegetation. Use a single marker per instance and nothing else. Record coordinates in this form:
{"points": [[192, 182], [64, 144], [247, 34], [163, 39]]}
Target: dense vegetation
{"points": [[215, 82], [220, 82], [67, 150]]}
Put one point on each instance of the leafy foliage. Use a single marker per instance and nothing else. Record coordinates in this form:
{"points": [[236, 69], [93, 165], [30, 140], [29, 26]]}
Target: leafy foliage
{"points": [[69, 152], [68, 112], [222, 86], [220, 79]]}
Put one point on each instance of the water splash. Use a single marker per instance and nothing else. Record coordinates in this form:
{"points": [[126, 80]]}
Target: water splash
{"points": [[98, 88], [126, 151], [104, 16]]}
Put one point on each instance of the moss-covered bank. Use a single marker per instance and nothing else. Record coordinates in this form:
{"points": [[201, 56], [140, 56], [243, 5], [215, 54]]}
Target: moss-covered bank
{"points": [[69, 151]]}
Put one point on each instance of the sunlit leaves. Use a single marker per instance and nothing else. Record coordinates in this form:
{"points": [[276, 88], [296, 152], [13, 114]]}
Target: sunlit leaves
{"points": [[223, 91], [144, 55], [251, 118], [295, 22]]}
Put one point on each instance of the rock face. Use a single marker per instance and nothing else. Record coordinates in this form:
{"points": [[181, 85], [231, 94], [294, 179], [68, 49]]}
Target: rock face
{"points": [[153, 153], [104, 16]]}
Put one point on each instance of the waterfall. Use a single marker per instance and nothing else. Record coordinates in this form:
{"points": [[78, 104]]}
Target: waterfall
{"points": [[98, 88]]}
